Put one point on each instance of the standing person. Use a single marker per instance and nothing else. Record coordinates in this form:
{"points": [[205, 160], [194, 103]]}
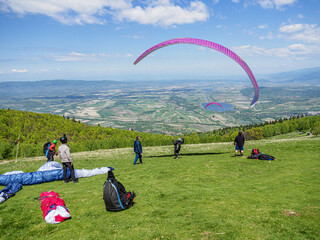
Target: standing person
{"points": [[64, 154], [52, 151], [137, 147], [239, 143], [177, 147]]}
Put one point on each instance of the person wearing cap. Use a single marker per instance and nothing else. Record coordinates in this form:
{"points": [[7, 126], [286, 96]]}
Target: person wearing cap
{"points": [[52, 151], [137, 148], [239, 143], [65, 156], [177, 147]]}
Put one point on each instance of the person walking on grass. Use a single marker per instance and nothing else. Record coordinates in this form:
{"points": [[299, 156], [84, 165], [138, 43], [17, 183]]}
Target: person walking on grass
{"points": [[137, 148], [177, 147], [64, 154], [239, 143]]}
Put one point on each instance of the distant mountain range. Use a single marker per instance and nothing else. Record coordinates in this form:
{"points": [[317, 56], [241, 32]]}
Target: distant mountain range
{"points": [[310, 75]]}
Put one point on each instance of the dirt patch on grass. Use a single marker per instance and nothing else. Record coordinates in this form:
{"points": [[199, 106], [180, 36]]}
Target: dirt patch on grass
{"points": [[290, 213]]}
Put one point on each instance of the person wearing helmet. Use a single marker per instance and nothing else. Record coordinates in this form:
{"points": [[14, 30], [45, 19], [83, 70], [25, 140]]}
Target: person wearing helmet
{"points": [[65, 156], [52, 151], [177, 147]]}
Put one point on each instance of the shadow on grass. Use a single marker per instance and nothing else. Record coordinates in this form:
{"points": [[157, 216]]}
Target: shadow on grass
{"points": [[185, 154]]}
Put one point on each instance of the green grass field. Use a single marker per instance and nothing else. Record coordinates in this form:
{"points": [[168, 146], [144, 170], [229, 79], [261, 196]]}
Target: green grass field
{"points": [[206, 194]]}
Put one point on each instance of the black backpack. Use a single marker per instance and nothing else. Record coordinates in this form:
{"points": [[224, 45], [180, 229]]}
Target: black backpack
{"points": [[115, 196], [46, 148], [253, 156], [266, 157]]}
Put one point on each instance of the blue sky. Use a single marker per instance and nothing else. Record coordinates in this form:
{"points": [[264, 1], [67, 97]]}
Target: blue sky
{"points": [[100, 39]]}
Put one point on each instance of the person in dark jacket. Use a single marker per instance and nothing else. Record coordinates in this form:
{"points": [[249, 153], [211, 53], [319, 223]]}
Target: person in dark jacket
{"points": [[239, 143], [177, 147], [138, 150]]}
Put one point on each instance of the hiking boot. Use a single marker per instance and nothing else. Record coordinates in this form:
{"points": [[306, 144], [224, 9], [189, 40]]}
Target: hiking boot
{"points": [[75, 181]]}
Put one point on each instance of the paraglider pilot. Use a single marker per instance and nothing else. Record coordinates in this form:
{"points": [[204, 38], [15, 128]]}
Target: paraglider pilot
{"points": [[137, 148], [52, 151], [64, 154], [177, 147], [239, 142]]}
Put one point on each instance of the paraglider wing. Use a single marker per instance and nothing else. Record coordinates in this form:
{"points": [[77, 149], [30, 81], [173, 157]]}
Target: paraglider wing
{"points": [[212, 45], [213, 103]]}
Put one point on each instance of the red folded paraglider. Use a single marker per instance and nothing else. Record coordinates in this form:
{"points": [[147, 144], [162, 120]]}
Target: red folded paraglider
{"points": [[213, 103], [53, 208]]}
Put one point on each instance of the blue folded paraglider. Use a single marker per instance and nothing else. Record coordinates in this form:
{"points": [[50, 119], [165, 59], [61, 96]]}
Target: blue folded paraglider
{"points": [[33, 177], [9, 191]]}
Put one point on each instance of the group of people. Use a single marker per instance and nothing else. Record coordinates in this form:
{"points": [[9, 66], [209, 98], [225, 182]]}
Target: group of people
{"points": [[65, 156], [137, 147]]}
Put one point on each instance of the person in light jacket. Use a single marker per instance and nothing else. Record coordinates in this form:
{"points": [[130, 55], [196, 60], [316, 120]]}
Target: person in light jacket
{"points": [[64, 154]]}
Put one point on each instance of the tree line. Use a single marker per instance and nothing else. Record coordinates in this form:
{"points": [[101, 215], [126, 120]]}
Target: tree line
{"points": [[35, 129]]}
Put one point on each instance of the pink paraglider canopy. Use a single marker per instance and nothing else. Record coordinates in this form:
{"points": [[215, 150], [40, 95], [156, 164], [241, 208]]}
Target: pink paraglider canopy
{"points": [[214, 46], [213, 103]]}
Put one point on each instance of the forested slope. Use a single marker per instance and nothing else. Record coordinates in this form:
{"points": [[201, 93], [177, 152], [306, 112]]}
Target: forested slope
{"points": [[35, 129]]}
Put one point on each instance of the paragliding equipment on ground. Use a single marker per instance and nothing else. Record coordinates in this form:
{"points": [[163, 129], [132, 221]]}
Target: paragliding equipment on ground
{"points": [[211, 45], [256, 154], [48, 172], [46, 148], [115, 196], [9, 191], [53, 208]]}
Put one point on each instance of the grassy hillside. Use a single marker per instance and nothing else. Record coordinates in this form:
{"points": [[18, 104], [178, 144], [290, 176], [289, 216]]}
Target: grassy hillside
{"points": [[35, 129], [206, 194]]}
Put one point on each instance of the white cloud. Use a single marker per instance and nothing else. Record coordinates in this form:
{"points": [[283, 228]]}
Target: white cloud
{"points": [[309, 33], [300, 16], [278, 4], [165, 14], [263, 26], [19, 70], [268, 36], [77, 57], [235, 1], [292, 28], [292, 51], [158, 12]]}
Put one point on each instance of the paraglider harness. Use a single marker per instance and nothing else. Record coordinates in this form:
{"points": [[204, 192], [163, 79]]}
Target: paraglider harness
{"points": [[115, 196], [255, 154], [46, 148]]}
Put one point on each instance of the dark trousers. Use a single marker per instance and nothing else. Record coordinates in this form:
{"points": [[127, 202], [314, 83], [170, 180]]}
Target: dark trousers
{"points": [[70, 166], [50, 156]]}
